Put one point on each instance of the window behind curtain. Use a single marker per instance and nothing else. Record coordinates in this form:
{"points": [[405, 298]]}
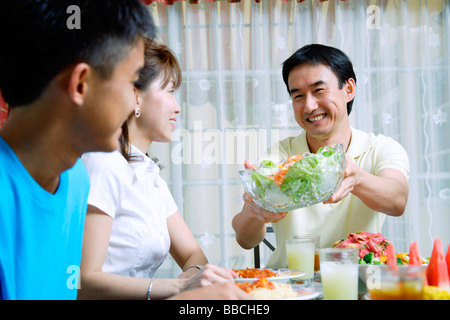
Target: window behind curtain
{"points": [[235, 104]]}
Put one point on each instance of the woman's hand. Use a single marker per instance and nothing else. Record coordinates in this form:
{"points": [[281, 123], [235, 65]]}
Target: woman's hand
{"points": [[207, 276], [220, 291]]}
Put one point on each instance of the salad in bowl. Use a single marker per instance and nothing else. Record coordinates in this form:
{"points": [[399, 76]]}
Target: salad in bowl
{"points": [[297, 182]]}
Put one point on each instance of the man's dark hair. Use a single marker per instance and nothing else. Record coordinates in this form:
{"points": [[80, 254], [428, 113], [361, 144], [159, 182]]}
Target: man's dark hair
{"points": [[37, 43], [315, 54]]}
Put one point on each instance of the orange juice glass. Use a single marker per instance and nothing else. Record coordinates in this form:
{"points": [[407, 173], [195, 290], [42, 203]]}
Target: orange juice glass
{"points": [[402, 283]]}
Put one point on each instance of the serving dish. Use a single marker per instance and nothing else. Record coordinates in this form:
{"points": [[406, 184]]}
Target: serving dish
{"points": [[290, 185]]}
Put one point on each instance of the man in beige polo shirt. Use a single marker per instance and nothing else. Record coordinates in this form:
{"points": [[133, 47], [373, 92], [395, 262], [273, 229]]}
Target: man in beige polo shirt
{"points": [[322, 85]]}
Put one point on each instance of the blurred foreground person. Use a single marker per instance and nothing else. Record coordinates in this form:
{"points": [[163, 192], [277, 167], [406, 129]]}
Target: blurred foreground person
{"points": [[69, 91]]}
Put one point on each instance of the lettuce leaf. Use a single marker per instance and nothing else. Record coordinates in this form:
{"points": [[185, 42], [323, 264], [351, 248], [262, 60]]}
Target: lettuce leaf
{"points": [[308, 181], [312, 176], [305, 181]]}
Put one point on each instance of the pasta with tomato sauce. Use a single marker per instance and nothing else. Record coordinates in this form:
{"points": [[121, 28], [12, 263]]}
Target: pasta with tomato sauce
{"points": [[263, 289], [255, 273]]}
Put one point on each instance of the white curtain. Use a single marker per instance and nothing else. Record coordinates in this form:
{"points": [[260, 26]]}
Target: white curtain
{"points": [[235, 105]]}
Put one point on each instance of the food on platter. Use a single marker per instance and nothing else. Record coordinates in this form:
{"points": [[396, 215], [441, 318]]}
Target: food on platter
{"points": [[435, 293], [260, 283], [373, 249], [252, 274], [263, 289], [299, 181], [366, 242], [391, 259], [400, 258], [414, 257], [437, 271], [255, 273], [437, 274]]}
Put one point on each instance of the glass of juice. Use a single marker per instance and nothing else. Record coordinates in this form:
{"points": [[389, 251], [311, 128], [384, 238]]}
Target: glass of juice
{"points": [[339, 273], [300, 254], [316, 252], [403, 282]]}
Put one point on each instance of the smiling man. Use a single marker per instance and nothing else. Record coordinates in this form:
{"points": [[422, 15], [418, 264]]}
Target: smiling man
{"points": [[322, 84], [69, 91]]}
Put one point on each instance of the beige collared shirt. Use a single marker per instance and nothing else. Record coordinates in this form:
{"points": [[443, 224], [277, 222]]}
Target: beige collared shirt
{"points": [[332, 222]]}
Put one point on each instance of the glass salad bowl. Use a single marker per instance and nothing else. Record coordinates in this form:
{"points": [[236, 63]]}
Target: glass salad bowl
{"points": [[300, 181]]}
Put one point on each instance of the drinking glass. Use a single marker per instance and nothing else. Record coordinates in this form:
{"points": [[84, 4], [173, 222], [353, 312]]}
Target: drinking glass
{"points": [[300, 254], [405, 282], [339, 273]]}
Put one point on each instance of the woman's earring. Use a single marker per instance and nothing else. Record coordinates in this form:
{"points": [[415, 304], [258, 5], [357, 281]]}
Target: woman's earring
{"points": [[137, 112]]}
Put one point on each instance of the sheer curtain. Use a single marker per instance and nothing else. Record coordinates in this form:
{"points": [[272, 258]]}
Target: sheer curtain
{"points": [[235, 105]]}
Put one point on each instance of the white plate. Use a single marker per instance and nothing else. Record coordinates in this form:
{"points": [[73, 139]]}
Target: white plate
{"points": [[283, 274], [303, 293]]}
